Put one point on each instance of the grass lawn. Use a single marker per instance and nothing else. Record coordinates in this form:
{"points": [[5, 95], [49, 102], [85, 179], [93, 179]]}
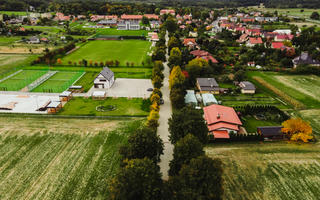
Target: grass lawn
{"points": [[49, 29], [114, 31], [86, 81], [16, 13], [124, 107], [21, 80], [101, 51], [59, 82], [269, 170], [4, 41], [259, 98], [120, 72], [303, 88], [54, 165], [250, 123]]}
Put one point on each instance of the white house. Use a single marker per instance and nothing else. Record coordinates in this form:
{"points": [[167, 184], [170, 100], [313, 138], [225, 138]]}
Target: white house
{"points": [[105, 79]]}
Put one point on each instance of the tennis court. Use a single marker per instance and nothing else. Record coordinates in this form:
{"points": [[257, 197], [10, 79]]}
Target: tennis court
{"points": [[20, 80], [59, 82]]}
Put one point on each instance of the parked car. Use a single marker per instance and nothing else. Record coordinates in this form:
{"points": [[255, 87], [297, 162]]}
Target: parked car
{"points": [[150, 89], [161, 101]]}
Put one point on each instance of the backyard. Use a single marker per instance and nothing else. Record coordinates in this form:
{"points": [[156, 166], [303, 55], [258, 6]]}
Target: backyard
{"points": [[60, 165], [269, 170], [109, 107], [126, 51]]}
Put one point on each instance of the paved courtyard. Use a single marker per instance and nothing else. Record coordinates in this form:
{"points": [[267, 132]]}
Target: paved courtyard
{"points": [[25, 103], [124, 87]]}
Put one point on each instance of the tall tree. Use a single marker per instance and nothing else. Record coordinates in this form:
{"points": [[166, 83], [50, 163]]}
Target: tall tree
{"points": [[139, 179], [185, 121], [184, 150], [175, 57], [176, 77]]}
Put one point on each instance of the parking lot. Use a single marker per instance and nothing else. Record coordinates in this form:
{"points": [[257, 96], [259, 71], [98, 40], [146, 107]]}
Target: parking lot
{"points": [[131, 88]]}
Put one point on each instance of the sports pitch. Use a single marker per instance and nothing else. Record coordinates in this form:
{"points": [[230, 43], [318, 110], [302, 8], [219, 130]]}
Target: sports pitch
{"points": [[101, 51], [59, 82], [21, 80]]}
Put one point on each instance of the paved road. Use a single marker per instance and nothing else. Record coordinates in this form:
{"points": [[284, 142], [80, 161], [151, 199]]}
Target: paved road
{"points": [[165, 114]]}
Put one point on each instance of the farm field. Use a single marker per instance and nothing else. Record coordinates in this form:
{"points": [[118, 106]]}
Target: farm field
{"points": [[289, 11], [312, 116], [270, 170], [100, 51], [59, 82], [17, 13], [53, 165], [88, 107], [11, 62], [304, 89], [4, 41], [21, 80]]}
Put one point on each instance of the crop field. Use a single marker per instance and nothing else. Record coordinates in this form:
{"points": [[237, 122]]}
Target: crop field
{"points": [[4, 41], [59, 82], [21, 80], [123, 107], [289, 11], [312, 116], [304, 89], [101, 51], [60, 166], [270, 170], [10, 62]]}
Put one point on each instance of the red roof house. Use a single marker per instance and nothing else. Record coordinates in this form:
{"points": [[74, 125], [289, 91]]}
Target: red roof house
{"points": [[151, 16], [204, 55], [254, 41], [190, 42], [277, 45], [165, 11], [221, 120], [131, 17]]}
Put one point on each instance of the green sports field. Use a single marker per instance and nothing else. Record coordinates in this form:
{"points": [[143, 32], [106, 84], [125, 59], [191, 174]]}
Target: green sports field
{"points": [[101, 51], [59, 82], [21, 80]]}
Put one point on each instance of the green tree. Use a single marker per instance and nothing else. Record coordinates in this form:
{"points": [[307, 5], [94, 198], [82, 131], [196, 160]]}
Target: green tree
{"points": [[184, 150], [171, 24], [175, 57], [315, 16], [177, 94], [196, 68], [185, 121], [173, 42], [200, 179], [144, 142], [157, 82], [145, 21], [139, 179], [239, 75]]}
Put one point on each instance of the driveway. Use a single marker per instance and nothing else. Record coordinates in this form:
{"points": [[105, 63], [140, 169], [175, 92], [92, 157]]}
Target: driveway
{"points": [[124, 87]]}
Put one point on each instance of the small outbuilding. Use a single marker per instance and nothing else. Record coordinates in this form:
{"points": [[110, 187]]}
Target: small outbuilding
{"points": [[208, 85], [247, 87], [76, 89], [54, 107], [65, 96], [271, 132], [99, 95], [208, 99], [190, 98]]}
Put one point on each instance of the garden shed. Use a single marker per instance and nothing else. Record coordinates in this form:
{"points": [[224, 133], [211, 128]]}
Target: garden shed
{"points": [[99, 95], [54, 107], [190, 98], [271, 132], [208, 99], [65, 96]]}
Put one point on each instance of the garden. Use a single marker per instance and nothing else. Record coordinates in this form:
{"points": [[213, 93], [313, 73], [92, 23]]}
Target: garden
{"points": [[126, 52], [120, 107]]}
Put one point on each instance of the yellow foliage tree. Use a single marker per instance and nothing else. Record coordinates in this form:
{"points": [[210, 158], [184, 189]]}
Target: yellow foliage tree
{"points": [[297, 130], [176, 76]]}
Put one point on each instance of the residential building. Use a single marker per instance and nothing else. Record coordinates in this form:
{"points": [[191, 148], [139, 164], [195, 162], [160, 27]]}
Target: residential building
{"points": [[247, 87], [204, 55], [221, 121], [129, 22], [208, 85], [270, 132], [305, 59], [253, 41], [190, 42], [105, 79], [168, 12]]}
